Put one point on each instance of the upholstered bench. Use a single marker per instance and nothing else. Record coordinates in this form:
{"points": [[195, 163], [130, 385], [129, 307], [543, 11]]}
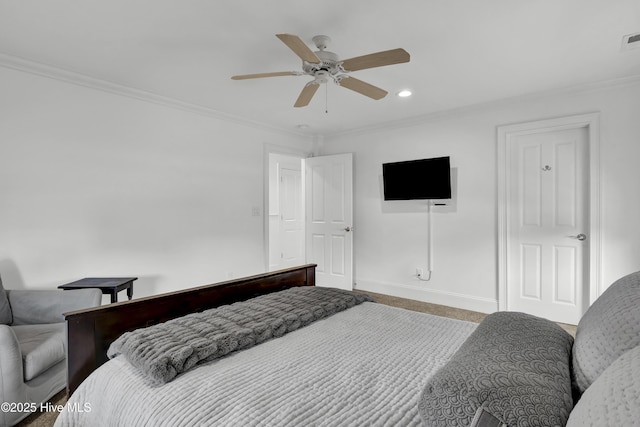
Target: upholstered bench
{"points": [[520, 370]]}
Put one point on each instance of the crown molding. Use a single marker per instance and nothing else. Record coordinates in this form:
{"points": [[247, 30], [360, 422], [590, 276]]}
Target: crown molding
{"points": [[443, 114], [79, 79], [75, 78]]}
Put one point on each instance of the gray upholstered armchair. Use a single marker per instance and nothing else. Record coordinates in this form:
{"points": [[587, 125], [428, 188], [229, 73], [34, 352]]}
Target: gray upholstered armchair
{"points": [[33, 346]]}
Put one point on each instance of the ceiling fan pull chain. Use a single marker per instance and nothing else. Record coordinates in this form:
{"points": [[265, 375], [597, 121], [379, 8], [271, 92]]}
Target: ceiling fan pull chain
{"points": [[326, 99]]}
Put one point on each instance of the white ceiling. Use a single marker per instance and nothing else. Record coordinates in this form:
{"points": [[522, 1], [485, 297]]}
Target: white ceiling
{"points": [[463, 52]]}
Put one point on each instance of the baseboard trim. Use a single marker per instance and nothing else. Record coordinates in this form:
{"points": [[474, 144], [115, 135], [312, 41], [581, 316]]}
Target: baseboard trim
{"points": [[451, 299]]}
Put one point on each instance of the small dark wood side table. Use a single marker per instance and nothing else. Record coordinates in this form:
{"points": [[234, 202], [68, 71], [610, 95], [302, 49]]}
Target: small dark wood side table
{"points": [[108, 285]]}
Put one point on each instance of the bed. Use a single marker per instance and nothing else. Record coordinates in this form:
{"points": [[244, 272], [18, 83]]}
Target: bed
{"points": [[365, 365], [280, 351]]}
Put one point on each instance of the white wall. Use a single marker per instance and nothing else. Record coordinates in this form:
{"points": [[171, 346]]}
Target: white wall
{"points": [[390, 239], [98, 184]]}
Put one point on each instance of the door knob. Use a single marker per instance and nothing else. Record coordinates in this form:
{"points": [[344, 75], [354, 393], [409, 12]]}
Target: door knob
{"points": [[347, 229], [580, 236]]}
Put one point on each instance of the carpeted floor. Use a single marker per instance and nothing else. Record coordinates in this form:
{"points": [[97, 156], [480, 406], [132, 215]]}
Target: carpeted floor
{"points": [[46, 419], [442, 310], [425, 307]]}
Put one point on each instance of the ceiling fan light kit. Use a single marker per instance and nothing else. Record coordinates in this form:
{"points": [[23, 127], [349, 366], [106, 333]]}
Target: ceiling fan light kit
{"points": [[325, 66]]}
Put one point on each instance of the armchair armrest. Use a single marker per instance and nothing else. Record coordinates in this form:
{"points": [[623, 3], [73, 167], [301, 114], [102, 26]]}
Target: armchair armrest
{"points": [[11, 381], [35, 306]]}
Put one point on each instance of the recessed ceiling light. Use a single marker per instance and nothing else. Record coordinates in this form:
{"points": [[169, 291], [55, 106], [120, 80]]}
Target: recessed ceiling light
{"points": [[404, 93], [302, 126]]}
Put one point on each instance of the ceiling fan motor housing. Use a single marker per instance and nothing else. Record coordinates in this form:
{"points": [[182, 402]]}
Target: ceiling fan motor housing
{"points": [[329, 63]]}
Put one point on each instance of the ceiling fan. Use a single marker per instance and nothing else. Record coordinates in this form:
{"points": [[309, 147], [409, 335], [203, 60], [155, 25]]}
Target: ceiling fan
{"points": [[324, 66]]}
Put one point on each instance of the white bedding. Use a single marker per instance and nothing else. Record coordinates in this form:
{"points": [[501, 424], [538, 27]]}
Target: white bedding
{"points": [[364, 366]]}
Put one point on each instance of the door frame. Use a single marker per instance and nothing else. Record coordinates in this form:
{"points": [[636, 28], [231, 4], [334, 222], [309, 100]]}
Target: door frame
{"points": [[268, 150], [505, 136]]}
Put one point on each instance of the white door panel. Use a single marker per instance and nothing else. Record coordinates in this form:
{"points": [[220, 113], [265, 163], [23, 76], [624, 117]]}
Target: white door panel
{"points": [[548, 208], [291, 220], [329, 217], [285, 207]]}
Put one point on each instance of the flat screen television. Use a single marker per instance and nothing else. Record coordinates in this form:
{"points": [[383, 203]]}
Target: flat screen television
{"points": [[417, 179]]}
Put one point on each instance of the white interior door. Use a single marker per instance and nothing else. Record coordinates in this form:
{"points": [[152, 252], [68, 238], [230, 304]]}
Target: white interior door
{"points": [[285, 207], [291, 218], [329, 218], [548, 224]]}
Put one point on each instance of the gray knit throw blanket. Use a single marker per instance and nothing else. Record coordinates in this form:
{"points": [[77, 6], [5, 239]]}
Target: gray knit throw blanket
{"points": [[168, 349]]}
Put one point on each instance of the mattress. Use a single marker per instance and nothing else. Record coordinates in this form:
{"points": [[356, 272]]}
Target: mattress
{"points": [[363, 366]]}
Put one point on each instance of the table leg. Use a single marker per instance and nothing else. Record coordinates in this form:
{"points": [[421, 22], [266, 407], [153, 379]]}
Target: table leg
{"points": [[114, 296], [130, 291]]}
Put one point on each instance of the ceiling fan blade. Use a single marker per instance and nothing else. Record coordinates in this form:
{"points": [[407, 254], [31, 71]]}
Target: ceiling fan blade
{"points": [[307, 93], [299, 47], [363, 88], [260, 75], [379, 59]]}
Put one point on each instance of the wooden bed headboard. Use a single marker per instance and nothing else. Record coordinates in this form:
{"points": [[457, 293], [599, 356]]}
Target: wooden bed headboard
{"points": [[90, 332]]}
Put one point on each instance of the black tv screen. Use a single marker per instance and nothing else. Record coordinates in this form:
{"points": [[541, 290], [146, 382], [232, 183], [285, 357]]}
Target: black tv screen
{"points": [[417, 179]]}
